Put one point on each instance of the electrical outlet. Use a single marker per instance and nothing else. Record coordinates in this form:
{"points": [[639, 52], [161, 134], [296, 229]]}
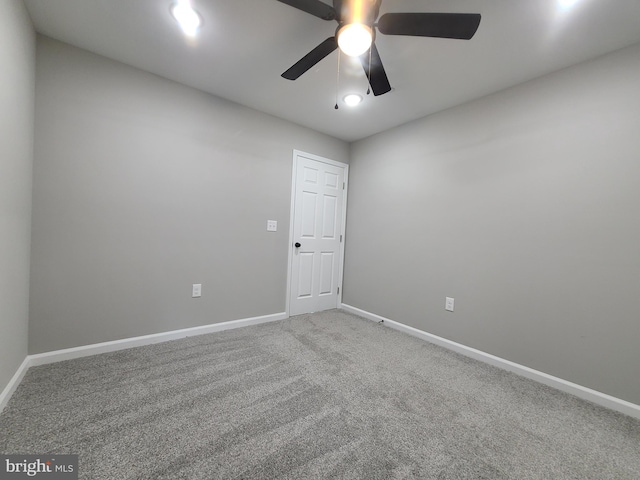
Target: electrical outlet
{"points": [[272, 225], [448, 304], [196, 290]]}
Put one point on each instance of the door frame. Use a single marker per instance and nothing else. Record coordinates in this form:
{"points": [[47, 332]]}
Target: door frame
{"points": [[345, 167]]}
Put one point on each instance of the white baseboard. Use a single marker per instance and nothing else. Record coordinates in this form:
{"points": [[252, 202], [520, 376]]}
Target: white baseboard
{"points": [[585, 393], [104, 347], [5, 396]]}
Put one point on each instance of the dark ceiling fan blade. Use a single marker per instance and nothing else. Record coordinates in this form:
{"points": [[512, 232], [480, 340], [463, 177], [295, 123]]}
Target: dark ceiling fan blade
{"points": [[314, 7], [443, 25], [337, 6], [376, 75], [311, 58]]}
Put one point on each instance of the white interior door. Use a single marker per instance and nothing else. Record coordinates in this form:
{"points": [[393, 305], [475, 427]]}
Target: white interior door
{"points": [[316, 247]]}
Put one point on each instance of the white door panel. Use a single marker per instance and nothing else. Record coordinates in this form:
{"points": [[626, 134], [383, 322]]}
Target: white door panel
{"points": [[305, 277], [326, 273], [317, 227]]}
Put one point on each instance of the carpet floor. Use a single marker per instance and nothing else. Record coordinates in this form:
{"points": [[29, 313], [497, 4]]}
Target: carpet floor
{"points": [[327, 395]]}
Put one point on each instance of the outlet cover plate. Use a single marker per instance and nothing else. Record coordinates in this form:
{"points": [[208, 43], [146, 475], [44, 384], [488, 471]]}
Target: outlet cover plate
{"points": [[448, 304]]}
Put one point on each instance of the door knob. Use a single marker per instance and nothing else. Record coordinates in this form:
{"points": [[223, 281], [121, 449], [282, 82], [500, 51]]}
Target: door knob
{"points": [[298, 245]]}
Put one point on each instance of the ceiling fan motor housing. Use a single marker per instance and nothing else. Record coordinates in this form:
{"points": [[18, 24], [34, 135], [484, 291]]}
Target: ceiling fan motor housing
{"points": [[346, 13]]}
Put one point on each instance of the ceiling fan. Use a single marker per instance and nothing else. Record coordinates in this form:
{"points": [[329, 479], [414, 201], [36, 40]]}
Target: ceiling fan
{"points": [[357, 25]]}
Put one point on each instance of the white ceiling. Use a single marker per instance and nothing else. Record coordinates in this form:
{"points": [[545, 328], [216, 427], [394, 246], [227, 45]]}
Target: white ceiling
{"points": [[245, 45]]}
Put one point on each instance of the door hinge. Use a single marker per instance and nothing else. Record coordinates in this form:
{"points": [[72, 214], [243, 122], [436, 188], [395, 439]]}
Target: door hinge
{"points": [[343, 185], [338, 290], [340, 238]]}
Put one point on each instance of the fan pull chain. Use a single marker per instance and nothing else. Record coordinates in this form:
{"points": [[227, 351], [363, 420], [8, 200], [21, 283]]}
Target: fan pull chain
{"points": [[369, 79], [337, 80]]}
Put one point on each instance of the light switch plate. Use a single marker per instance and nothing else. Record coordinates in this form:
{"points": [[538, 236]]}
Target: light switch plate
{"points": [[272, 225], [196, 290], [448, 304]]}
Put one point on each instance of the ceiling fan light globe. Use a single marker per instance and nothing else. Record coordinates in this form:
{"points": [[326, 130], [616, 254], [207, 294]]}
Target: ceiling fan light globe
{"points": [[355, 39]]}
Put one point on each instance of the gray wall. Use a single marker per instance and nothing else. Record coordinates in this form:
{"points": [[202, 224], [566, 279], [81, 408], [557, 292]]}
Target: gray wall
{"points": [[143, 187], [17, 57], [525, 207]]}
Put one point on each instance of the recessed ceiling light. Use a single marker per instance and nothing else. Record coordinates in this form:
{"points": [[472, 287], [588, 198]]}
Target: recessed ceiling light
{"points": [[352, 99], [188, 19], [567, 4]]}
